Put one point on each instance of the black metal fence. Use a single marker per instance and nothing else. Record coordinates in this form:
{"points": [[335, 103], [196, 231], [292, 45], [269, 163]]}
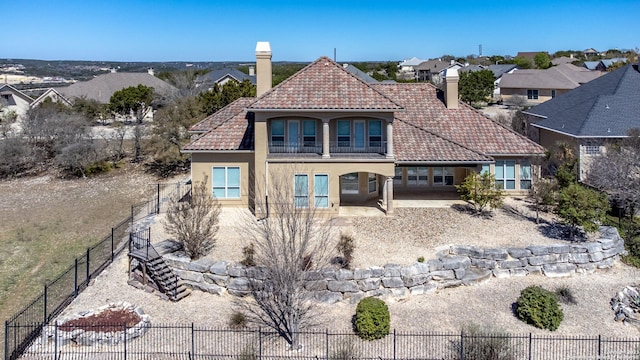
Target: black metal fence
{"points": [[188, 341], [24, 327]]}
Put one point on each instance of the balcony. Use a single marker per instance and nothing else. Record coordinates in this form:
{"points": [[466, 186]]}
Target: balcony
{"points": [[335, 147]]}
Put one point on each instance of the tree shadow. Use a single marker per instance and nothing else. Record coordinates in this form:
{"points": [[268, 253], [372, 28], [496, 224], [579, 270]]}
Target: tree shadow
{"points": [[469, 210]]}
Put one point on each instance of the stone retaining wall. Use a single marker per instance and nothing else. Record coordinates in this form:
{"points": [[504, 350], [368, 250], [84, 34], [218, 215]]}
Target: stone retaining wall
{"points": [[453, 266]]}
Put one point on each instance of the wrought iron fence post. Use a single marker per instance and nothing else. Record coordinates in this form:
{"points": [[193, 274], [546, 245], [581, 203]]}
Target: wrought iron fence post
{"points": [[75, 279], [530, 345], [599, 346], [326, 344], [55, 341], [158, 208], [260, 343], [132, 218], [44, 317], [394, 344], [193, 345], [461, 345], [88, 262], [6, 340], [112, 245], [125, 340]]}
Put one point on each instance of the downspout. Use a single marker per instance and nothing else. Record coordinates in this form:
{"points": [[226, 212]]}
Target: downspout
{"points": [[266, 189]]}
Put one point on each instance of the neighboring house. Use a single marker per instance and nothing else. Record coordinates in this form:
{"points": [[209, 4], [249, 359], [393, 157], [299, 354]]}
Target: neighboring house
{"points": [[591, 52], [406, 68], [593, 65], [538, 86], [433, 70], [341, 140], [14, 100], [563, 60], [102, 87], [51, 95], [222, 76], [590, 116]]}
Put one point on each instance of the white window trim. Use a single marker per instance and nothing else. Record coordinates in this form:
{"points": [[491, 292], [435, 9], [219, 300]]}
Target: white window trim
{"points": [[306, 194], [504, 179], [315, 203], [226, 182]]}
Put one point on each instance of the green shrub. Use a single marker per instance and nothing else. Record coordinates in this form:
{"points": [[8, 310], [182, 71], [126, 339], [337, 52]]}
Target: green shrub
{"points": [[539, 307], [372, 319], [480, 344], [421, 259], [98, 168]]}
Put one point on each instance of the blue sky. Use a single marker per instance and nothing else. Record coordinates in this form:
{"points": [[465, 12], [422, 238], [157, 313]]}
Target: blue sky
{"points": [[189, 30]]}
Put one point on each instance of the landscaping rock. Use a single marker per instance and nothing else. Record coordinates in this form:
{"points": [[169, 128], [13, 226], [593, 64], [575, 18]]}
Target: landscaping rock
{"points": [[342, 286]]}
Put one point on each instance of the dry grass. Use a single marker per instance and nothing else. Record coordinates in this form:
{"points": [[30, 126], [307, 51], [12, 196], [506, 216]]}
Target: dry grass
{"points": [[47, 222]]}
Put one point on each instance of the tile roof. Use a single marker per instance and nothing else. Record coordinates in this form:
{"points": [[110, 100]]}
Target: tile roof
{"points": [[222, 115], [324, 85], [606, 107], [464, 126], [424, 130], [103, 86]]}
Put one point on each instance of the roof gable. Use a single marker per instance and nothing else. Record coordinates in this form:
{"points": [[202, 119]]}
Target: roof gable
{"points": [[6, 88], [324, 85], [103, 86]]}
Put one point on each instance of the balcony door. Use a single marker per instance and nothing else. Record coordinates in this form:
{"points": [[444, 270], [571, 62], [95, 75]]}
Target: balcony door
{"points": [[359, 139], [293, 135]]}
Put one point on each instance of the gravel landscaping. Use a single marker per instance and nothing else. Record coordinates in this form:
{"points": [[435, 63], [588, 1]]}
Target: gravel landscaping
{"points": [[401, 239]]}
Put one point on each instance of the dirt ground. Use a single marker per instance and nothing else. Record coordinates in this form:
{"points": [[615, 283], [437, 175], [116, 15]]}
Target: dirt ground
{"points": [[401, 239]]}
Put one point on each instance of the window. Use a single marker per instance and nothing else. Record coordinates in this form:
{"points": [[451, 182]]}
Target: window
{"points": [[277, 132], [592, 150], [553, 94], [506, 174], [525, 175], [321, 190], [397, 179], [443, 176], [417, 175], [359, 134], [485, 169], [375, 133], [309, 133], [532, 94], [301, 190], [344, 133], [226, 182], [350, 183], [372, 183]]}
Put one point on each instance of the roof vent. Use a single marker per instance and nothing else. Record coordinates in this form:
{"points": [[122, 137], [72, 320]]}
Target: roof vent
{"points": [[606, 106], [608, 130]]}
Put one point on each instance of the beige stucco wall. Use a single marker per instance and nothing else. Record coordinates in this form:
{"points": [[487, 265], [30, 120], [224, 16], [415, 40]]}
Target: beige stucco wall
{"points": [[202, 165], [543, 94]]}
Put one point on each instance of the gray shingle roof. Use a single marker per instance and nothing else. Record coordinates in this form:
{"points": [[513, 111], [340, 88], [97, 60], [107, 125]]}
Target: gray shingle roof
{"points": [[359, 73], [606, 107], [103, 86], [561, 77], [216, 76]]}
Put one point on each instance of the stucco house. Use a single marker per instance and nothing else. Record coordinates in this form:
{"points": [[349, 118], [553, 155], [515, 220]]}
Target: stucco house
{"points": [[350, 142], [433, 70], [590, 116], [538, 86]]}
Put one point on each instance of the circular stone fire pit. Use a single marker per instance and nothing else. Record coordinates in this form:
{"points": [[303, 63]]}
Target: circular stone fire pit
{"points": [[626, 305], [106, 325]]}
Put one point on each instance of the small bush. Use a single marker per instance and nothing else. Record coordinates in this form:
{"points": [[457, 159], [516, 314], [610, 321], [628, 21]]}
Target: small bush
{"points": [[565, 295], [421, 259], [479, 344], [345, 350], [238, 320], [346, 246], [98, 168], [372, 319], [539, 307], [249, 253]]}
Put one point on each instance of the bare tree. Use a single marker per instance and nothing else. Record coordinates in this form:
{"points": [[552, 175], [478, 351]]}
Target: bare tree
{"points": [[293, 239], [194, 221]]}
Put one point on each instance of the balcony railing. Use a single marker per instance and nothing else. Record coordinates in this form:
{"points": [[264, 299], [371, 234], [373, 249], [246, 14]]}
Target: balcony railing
{"points": [[342, 147]]}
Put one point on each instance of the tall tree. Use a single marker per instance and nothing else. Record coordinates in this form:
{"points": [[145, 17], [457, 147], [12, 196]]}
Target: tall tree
{"points": [[579, 206], [542, 60], [220, 96], [292, 239], [476, 86], [134, 99]]}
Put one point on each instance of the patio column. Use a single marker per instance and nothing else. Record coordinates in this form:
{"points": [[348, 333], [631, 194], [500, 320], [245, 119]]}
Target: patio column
{"points": [[389, 192], [389, 140], [325, 139]]}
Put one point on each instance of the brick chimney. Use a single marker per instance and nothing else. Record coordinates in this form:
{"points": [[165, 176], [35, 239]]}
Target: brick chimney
{"points": [[263, 67], [451, 88]]}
